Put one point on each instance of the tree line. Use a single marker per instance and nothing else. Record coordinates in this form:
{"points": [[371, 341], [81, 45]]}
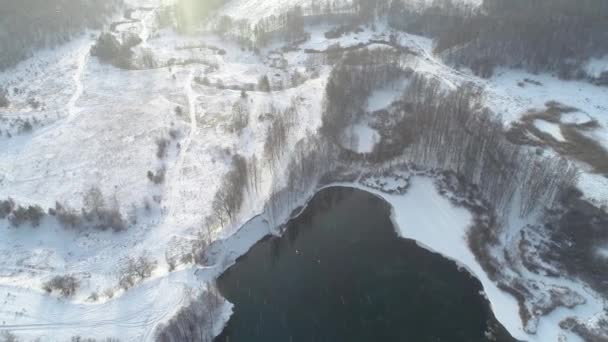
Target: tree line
{"points": [[541, 35], [31, 24], [438, 128]]}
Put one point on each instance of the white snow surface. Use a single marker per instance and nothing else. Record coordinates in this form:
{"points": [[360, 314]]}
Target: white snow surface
{"points": [[254, 10], [425, 216], [98, 126], [360, 138], [596, 66], [384, 97], [550, 128]]}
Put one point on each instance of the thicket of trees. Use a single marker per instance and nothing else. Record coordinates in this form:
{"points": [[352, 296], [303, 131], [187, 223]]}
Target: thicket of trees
{"points": [[352, 81], [66, 285], [290, 25], [19, 215], [135, 270], [110, 50], [450, 131], [229, 197], [446, 130], [4, 102], [31, 24], [195, 322], [98, 212], [579, 230], [553, 35]]}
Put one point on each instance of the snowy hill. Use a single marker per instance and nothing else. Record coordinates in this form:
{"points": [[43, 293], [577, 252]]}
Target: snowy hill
{"points": [[187, 117]]}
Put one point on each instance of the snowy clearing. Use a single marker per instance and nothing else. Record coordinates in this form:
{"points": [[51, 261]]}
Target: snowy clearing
{"points": [[550, 128]]}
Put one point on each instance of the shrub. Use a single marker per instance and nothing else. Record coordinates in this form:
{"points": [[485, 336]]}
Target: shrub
{"points": [[66, 285], [21, 215], [67, 217], [101, 216], [229, 197], [194, 322], [178, 111], [82, 339], [6, 207], [240, 117], [158, 177], [264, 84], [7, 336], [94, 297], [162, 146], [109, 50], [26, 126], [3, 99], [136, 270], [109, 292]]}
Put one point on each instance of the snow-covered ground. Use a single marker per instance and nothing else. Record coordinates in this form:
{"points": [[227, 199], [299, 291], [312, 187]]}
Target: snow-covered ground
{"points": [[98, 126], [360, 138], [596, 66], [254, 10], [550, 128]]}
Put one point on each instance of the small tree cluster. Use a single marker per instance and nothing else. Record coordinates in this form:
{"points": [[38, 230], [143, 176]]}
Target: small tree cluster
{"points": [[66, 285], [7, 336], [6, 207], [100, 214], [4, 102], [83, 339], [157, 177], [96, 213], [109, 50], [351, 83], [195, 322], [29, 25], [549, 35], [162, 145], [20, 215], [240, 116], [229, 197], [264, 84], [135, 270], [67, 217]]}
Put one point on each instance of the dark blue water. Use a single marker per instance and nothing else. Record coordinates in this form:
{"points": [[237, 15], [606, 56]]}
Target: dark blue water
{"points": [[341, 273]]}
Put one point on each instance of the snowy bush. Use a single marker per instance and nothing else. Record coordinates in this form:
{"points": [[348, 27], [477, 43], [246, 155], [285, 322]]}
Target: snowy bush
{"points": [[229, 197], [82, 339], [101, 216], [264, 84], [66, 285], [32, 214], [7, 336], [162, 145], [6, 207], [136, 270], [67, 217], [3, 99], [240, 117], [109, 50], [195, 322], [158, 177]]}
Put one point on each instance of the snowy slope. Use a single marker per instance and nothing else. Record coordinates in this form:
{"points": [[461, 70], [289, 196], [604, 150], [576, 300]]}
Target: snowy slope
{"points": [[98, 126]]}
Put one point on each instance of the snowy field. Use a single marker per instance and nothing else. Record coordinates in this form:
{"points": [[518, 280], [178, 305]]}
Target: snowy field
{"points": [[99, 126]]}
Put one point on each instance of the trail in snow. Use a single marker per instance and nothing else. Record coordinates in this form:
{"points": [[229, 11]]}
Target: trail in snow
{"points": [[175, 175], [145, 30], [83, 57]]}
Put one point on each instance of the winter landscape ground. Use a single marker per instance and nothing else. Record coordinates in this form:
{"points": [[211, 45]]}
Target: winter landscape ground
{"points": [[145, 151]]}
